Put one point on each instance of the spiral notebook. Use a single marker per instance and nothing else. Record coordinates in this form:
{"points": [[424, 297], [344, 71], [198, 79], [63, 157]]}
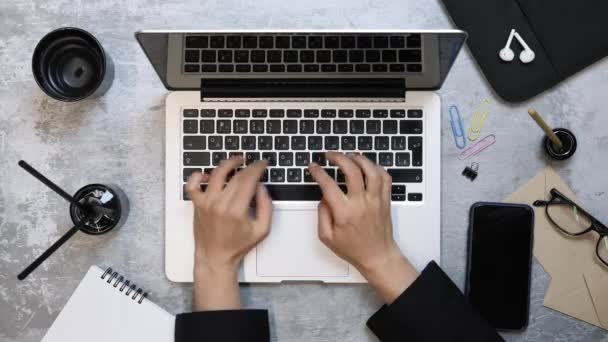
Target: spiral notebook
{"points": [[108, 307]]}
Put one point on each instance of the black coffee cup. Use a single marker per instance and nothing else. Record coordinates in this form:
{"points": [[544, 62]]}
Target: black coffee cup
{"points": [[69, 64], [568, 145]]}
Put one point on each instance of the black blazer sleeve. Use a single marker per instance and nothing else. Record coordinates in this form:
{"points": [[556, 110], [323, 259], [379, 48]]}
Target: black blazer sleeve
{"points": [[431, 309], [225, 326]]}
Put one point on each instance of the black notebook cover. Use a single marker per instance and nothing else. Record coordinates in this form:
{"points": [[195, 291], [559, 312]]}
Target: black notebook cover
{"points": [[566, 36]]}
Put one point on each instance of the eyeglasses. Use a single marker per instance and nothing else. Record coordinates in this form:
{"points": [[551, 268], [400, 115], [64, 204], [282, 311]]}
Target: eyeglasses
{"points": [[574, 221]]}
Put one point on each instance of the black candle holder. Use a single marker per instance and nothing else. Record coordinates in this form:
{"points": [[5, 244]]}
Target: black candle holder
{"points": [[95, 209]]}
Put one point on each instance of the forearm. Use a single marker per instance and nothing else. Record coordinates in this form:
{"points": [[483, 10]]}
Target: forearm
{"points": [[216, 288]]}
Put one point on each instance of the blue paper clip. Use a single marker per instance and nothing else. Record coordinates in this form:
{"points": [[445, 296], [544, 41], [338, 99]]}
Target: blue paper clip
{"points": [[458, 133]]}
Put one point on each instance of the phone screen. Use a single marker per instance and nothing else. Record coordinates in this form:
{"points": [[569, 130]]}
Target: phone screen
{"points": [[500, 252]]}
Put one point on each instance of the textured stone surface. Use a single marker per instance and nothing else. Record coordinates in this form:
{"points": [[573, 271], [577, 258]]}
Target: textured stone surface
{"points": [[119, 138]]}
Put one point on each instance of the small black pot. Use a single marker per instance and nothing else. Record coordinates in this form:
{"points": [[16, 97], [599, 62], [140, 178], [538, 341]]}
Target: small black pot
{"points": [[568, 141]]}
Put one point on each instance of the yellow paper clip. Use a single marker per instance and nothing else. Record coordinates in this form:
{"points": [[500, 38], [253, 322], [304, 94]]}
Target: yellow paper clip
{"points": [[480, 117]]}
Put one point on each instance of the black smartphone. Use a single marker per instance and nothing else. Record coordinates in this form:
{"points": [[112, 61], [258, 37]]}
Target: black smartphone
{"points": [[499, 263]]}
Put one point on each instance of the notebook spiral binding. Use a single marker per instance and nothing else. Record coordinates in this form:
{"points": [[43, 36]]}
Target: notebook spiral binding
{"points": [[126, 284]]}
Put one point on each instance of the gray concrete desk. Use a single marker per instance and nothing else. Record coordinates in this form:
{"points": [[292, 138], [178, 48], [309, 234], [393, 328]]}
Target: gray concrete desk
{"points": [[120, 138]]}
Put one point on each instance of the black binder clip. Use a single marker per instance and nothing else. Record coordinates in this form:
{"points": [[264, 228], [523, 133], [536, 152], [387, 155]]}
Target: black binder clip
{"points": [[471, 171]]}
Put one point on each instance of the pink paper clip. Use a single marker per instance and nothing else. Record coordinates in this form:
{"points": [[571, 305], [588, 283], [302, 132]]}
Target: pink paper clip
{"points": [[477, 147]]}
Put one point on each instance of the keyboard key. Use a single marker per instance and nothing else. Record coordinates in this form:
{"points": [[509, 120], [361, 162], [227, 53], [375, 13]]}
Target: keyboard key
{"points": [[216, 42], [364, 42], [398, 143], [296, 192], [414, 41], [323, 126], [233, 42], [396, 68], [290, 56], [372, 56], [379, 68], [355, 56], [283, 42], [298, 142], [224, 56], [323, 56], [398, 189], [294, 175], [307, 126], [415, 145], [298, 42], [302, 158], [308, 178], [248, 142], [271, 157], [380, 113], [381, 143], [371, 156], [250, 42], [364, 143], [389, 56], [281, 142], [258, 56], [259, 113], [196, 158], [380, 42], [266, 42], [340, 177], [207, 127], [340, 127], [328, 68], [346, 68], [190, 126], [236, 154], [402, 159], [277, 68], [372, 126], [347, 42], [332, 143], [294, 68], [319, 158], [414, 197], [348, 143], [311, 113], [264, 178], [241, 56], [208, 68], [223, 126], [315, 42], [331, 172], [215, 143], [286, 159], [357, 126], [194, 142], [218, 157], [398, 197], [363, 68], [363, 113], [346, 113], [242, 113], [340, 56], [209, 56], [315, 142], [397, 41], [307, 56], [398, 113], [265, 143], [328, 113], [224, 113], [276, 176], [311, 68], [260, 68], [192, 56], [251, 157], [385, 159], [410, 126], [188, 171], [232, 142], [273, 126], [240, 126], [332, 42], [256, 126], [290, 126], [414, 113], [208, 113], [197, 42], [277, 113], [191, 68], [410, 56], [294, 113], [405, 175], [389, 126], [273, 56]]}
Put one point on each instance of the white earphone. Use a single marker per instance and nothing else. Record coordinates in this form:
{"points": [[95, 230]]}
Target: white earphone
{"points": [[507, 54]]}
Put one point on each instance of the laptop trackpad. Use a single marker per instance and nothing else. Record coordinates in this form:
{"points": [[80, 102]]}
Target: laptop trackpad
{"points": [[293, 249]]}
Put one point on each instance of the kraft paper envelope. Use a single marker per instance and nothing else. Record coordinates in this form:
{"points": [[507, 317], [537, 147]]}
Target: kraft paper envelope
{"points": [[579, 282]]}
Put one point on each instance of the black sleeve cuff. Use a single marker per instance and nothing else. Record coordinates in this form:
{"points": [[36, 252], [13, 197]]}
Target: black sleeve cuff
{"points": [[431, 309], [228, 326]]}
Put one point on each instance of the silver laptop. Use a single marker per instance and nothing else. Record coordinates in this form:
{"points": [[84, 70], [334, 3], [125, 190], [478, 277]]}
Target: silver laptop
{"points": [[289, 96]]}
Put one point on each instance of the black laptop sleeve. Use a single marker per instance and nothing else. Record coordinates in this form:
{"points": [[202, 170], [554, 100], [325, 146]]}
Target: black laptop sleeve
{"points": [[566, 36]]}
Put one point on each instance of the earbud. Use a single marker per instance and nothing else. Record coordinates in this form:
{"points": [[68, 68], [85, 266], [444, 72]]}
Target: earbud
{"points": [[507, 54]]}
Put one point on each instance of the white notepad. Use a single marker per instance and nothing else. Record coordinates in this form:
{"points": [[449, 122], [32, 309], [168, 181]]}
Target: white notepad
{"points": [[108, 307]]}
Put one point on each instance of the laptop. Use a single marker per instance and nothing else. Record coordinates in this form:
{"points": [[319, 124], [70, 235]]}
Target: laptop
{"points": [[288, 97]]}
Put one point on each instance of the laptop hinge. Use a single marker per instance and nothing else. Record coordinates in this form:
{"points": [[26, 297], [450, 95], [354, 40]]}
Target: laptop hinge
{"points": [[389, 89]]}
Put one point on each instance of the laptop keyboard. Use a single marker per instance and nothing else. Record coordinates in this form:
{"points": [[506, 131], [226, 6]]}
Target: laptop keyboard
{"points": [[292, 138], [302, 53]]}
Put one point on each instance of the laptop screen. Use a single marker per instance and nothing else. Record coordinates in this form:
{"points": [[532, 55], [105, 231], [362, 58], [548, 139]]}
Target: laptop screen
{"points": [[182, 59]]}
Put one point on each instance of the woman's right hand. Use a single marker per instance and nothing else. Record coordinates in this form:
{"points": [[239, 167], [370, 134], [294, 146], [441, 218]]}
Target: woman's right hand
{"points": [[357, 226]]}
